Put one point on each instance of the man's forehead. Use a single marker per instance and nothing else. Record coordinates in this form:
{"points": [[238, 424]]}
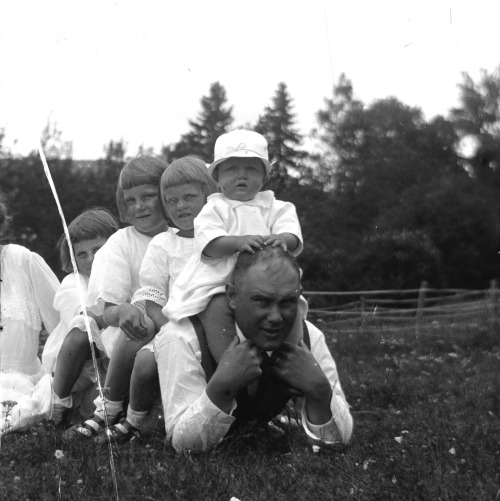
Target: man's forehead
{"points": [[262, 278]]}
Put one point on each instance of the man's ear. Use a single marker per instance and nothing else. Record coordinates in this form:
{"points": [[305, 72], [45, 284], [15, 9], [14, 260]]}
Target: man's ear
{"points": [[231, 295]]}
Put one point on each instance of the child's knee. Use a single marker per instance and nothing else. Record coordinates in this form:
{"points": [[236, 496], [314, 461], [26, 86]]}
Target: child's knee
{"points": [[78, 339], [145, 367]]}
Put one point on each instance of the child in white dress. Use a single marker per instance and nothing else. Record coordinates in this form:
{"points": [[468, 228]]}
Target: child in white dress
{"points": [[27, 290], [115, 279], [239, 218], [67, 352], [185, 186]]}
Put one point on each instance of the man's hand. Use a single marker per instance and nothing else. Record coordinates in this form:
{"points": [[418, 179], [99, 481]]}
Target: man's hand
{"points": [[296, 366], [135, 325], [238, 367]]}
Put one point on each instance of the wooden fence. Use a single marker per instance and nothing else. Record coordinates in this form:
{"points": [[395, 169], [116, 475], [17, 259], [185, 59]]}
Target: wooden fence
{"points": [[415, 309]]}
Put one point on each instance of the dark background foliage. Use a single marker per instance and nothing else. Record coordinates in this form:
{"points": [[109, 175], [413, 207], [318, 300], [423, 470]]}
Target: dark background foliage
{"points": [[386, 198]]}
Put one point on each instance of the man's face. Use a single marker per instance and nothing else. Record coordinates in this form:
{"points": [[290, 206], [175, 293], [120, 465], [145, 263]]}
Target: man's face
{"points": [[265, 301]]}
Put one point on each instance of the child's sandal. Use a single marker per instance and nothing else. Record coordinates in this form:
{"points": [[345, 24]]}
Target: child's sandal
{"points": [[120, 433], [87, 429]]}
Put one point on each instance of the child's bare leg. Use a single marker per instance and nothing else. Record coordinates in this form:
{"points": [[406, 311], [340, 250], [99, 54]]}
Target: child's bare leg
{"points": [[120, 366], [115, 386], [218, 322], [144, 387], [144, 384], [75, 350]]}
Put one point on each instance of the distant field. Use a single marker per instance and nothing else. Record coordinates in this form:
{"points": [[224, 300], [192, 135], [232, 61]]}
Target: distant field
{"points": [[427, 427]]}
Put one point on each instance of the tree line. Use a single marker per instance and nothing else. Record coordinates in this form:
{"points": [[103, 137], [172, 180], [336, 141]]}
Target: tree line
{"points": [[386, 198]]}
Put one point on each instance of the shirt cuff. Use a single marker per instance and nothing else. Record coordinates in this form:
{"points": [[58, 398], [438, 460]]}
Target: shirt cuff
{"points": [[213, 412]]}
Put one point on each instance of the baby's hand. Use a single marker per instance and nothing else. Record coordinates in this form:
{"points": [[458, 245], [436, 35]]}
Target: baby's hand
{"points": [[250, 243], [276, 241]]}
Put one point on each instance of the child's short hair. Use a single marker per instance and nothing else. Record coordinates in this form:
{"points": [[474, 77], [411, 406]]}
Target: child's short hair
{"points": [[188, 169], [89, 225], [5, 217], [146, 169]]}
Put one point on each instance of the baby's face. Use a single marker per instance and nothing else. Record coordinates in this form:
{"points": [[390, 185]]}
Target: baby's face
{"points": [[241, 178]]}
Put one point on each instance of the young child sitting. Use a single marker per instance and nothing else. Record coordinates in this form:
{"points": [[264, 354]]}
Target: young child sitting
{"points": [[239, 218], [115, 279], [67, 352], [184, 188]]}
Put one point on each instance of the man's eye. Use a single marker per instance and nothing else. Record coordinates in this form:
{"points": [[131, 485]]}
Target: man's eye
{"points": [[171, 201], [129, 201]]}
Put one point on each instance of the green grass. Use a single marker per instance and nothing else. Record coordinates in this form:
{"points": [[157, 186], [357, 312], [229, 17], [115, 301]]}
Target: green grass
{"points": [[438, 395]]}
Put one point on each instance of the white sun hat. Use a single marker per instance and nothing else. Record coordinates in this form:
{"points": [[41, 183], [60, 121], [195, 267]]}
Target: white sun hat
{"points": [[240, 143]]}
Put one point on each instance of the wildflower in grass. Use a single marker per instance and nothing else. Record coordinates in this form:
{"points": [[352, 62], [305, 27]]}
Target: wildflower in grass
{"points": [[79, 481], [394, 479], [398, 439], [17, 479], [452, 451], [59, 454], [315, 449]]}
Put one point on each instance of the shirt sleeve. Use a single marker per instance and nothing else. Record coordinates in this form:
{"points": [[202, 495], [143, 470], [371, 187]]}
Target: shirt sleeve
{"points": [[339, 428], [110, 280], [209, 224], [45, 285], [192, 421], [284, 220], [153, 276]]}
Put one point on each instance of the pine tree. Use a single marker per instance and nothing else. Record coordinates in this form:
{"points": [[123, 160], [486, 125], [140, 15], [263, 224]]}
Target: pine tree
{"points": [[214, 119], [276, 124]]}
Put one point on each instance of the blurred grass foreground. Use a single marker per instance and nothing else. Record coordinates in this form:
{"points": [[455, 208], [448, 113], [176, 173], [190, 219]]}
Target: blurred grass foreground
{"points": [[427, 426]]}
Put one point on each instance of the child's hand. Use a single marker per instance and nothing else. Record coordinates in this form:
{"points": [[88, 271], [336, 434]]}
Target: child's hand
{"points": [[249, 243], [276, 241], [133, 322]]}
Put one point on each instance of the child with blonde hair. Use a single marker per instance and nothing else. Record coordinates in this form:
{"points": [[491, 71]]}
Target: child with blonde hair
{"points": [[239, 218], [184, 188], [115, 279]]}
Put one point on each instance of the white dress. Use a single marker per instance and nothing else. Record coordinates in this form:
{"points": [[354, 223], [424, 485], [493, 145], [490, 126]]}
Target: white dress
{"points": [[203, 277], [27, 294], [115, 277], [67, 303], [166, 257]]}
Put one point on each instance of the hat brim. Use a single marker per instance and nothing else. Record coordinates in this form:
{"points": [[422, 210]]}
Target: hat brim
{"points": [[241, 154]]}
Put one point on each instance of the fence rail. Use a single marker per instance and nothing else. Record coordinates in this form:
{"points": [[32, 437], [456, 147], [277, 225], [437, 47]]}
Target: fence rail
{"points": [[414, 309]]}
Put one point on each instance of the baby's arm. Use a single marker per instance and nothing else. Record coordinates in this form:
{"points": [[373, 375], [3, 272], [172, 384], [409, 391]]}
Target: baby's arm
{"points": [[130, 319], [154, 312], [225, 246]]}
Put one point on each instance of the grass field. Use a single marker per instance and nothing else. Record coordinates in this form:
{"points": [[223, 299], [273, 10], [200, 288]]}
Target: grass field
{"points": [[427, 427]]}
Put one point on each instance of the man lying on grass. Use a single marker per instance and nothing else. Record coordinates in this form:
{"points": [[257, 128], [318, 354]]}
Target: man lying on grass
{"points": [[259, 372]]}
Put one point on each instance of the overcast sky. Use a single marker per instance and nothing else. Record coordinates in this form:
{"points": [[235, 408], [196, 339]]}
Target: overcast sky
{"points": [[136, 70]]}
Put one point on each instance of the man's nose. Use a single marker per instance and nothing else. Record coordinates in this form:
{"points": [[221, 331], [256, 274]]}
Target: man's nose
{"points": [[274, 314]]}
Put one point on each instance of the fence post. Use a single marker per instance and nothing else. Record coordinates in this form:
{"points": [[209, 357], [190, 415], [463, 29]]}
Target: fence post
{"points": [[493, 306], [420, 306], [363, 312]]}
